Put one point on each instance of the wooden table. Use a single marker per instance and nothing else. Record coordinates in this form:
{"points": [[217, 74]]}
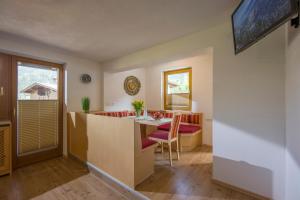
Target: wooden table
{"points": [[152, 122], [148, 125]]}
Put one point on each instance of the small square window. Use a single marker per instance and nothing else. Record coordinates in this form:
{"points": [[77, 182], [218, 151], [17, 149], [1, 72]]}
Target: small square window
{"points": [[177, 89]]}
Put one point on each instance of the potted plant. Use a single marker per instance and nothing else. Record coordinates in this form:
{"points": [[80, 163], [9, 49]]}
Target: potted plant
{"points": [[85, 103], [138, 106]]}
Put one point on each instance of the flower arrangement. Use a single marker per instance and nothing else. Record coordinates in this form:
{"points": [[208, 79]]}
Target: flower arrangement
{"points": [[138, 105], [85, 104], [157, 115]]}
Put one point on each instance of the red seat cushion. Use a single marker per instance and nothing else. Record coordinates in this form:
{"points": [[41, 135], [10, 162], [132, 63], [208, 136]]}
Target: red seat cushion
{"points": [[183, 128], [147, 142], [164, 127], [160, 134]]}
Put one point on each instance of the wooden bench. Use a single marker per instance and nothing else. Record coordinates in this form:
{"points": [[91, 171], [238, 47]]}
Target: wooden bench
{"points": [[190, 130]]}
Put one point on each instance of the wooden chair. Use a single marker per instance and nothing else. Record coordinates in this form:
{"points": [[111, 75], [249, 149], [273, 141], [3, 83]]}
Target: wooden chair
{"points": [[168, 137]]}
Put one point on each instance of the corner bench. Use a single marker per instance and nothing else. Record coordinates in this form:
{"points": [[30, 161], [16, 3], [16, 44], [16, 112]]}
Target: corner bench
{"points": [[190, 130]]}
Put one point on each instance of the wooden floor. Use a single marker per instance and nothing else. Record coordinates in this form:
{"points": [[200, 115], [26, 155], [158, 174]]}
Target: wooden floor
{"points": [[189, 178], [85, 187], [39, 178]]}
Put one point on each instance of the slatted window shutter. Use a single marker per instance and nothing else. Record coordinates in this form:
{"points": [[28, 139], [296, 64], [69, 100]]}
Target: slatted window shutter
{"points": [[2, 148], [37, 125]]}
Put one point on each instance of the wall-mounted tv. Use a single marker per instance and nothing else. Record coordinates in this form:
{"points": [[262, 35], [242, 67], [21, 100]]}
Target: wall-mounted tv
{"points": [[254, 19]]}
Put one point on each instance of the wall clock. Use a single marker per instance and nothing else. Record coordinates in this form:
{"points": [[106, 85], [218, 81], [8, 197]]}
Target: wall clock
{"points": [[132, 85], [85, 78]]}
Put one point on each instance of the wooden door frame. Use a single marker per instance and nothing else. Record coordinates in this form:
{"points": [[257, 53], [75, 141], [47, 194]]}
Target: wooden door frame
{"points": [[44, 155]]}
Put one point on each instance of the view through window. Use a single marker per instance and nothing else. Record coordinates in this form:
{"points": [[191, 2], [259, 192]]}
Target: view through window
{"points": [[177, 89], [36, 83]]}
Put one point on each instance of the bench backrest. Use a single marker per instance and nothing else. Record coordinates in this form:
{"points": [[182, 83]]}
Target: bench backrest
{"points": [[191, 118]]}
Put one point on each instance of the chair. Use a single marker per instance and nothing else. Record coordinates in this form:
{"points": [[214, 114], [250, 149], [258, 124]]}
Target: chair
{"points": [[168, 137]]}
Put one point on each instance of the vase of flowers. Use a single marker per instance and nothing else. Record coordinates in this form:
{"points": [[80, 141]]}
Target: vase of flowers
{"points": [[138, 105], [85, 103]]}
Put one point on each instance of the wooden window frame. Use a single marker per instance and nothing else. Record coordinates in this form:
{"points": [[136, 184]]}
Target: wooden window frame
{"points": [[177, 71]]}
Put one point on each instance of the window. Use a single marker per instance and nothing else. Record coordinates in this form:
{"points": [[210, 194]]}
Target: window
{"points": [[178, 89], [36, 82]]}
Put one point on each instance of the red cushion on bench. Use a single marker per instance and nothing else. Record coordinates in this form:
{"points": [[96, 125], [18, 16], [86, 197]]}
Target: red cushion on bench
{"points": [[188, 129], [183, 128], [147, 142]]}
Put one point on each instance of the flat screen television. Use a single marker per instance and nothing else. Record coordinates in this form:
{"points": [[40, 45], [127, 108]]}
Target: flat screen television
{"points": [[254, 19]]}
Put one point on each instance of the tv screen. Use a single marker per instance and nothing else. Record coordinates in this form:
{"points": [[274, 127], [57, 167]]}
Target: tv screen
{"points": [[254, 19]]}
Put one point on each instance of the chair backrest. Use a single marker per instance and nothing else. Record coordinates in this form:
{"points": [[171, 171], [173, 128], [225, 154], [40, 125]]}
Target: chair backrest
{"points": [[175, 126]]}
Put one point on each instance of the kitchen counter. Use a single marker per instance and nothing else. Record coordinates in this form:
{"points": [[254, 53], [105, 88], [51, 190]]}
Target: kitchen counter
{"points": [[3, 123]]}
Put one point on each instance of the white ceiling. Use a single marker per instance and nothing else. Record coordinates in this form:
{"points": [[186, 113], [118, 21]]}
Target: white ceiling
{"points": [[106, 29]]}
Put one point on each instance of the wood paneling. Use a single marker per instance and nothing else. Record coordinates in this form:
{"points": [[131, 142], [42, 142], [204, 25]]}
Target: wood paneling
{"points": [[5, 87], [77, 135], [143, 158], [5, 149], [111, 146], [188, 142]]}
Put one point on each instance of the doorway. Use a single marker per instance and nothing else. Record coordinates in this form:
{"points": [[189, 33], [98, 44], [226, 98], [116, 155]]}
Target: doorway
{"points": [[37, 110]]}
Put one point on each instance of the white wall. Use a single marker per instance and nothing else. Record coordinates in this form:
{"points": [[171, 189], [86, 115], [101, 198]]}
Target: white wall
{"points": [[151, 91], [249, 135], [201, 87], [248, 103], [293, 114], [74, 67], [115, 97]]}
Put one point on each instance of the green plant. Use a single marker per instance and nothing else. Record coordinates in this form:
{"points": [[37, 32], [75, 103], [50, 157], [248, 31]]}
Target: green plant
{"points": [[85, 103], [138, 106]]}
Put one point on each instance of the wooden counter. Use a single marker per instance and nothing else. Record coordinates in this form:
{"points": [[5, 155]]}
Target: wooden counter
{"points": [[5, 123], [5, 148], [112, 145]]}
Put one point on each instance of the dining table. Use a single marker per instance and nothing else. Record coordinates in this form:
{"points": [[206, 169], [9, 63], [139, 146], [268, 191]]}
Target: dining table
{"points": [[152, 122], [145, 125]]}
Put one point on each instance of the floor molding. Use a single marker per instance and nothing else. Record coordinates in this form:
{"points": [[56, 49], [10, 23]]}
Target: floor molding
{"points": [[75, 158], [127, 189], [252, 194]]}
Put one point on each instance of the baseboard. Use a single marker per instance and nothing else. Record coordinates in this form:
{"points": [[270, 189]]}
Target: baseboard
{"points": [[75, 158], [246, 192], [207, 145], [113, 182], [127, 191]]}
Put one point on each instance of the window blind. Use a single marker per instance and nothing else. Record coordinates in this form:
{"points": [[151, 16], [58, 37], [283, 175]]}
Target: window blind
{"points": [[37, 125]]}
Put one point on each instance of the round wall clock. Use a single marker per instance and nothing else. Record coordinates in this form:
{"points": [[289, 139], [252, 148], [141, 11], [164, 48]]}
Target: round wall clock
{"points": [[85, 78], [132, 85]]}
